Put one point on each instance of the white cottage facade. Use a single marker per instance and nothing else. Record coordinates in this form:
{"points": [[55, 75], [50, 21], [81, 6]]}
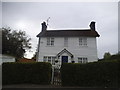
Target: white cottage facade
{"points": [[67, 46]]}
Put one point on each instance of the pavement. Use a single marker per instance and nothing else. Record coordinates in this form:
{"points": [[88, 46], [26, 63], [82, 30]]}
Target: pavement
{"points": [[49, 87], [30, 86]]}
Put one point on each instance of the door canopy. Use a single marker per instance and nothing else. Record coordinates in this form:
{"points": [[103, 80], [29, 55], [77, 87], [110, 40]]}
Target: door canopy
{"points": [[65, 51]]}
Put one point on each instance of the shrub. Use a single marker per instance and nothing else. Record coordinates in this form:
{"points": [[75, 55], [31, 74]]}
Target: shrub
{"points": [[95, 74], [35, 73]]}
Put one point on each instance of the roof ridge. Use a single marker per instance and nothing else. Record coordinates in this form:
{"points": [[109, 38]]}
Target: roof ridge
{"points": [[72, 30]]}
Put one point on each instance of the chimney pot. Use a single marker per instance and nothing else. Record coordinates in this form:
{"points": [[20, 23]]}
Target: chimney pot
{"points": [[44, 27], [92, 25]]}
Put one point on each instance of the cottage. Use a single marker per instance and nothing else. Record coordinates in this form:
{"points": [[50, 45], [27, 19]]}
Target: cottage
{"points": [[67, 46]]}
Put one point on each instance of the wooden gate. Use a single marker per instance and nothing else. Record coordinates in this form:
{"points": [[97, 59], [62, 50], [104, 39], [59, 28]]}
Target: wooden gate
{"points": [[56, 76]]}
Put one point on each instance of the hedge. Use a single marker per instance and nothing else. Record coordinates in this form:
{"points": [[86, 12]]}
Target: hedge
{"points": [[95, 74], [34, 73]]}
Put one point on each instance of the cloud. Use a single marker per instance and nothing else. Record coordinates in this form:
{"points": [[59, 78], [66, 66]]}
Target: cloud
{"points": [[66, 15]]}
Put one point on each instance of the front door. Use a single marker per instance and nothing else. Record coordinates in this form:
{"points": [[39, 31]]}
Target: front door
{"points": [[64, 59]]}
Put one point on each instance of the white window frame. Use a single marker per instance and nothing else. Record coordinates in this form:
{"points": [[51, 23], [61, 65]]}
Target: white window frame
{"points": [[45, 59], [82, 41], [50, 59], [50, 41], [79, 60], [53, 60], [82, 59]]}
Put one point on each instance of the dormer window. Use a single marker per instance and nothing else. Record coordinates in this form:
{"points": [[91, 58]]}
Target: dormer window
{"points": [[82, 41], [50, 41]]}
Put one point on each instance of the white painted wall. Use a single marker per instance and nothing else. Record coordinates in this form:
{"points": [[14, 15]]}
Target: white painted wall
{"points": [[89, 51]]}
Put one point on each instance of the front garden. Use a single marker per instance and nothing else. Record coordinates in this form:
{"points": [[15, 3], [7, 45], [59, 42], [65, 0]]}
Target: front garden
{"points": [[95, 74]]}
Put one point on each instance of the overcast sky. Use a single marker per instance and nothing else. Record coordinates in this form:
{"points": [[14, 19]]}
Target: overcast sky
{"points": [[65, 15]]}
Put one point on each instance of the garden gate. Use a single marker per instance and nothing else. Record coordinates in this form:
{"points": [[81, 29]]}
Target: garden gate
{"points": [[56, 76]]}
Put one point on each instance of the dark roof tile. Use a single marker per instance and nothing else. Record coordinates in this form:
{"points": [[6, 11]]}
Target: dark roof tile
{"points": [[68, 33]]}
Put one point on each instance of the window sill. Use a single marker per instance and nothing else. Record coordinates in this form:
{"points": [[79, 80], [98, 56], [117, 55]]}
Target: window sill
{"points": [[50, 46], [83, 46]]}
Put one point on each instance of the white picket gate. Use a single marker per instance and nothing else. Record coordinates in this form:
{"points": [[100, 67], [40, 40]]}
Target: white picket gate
{"points": [[56, 76]]}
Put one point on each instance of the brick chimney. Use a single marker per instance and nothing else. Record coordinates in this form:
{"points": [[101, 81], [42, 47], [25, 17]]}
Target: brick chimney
{"points": [[92, 25], [44, 27]]}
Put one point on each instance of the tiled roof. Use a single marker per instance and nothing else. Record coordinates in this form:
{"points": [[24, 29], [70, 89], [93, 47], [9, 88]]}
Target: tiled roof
{"points": [[26, 60], [68, 33]]}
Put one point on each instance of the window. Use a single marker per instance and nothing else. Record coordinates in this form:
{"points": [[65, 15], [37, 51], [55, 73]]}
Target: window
{"points": [[82, 60], [53, 60], [44, 59], [80, 41], [85, 60], [66, 42], [79, 60], [50, 41], [50, 59], [83, 41]]}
